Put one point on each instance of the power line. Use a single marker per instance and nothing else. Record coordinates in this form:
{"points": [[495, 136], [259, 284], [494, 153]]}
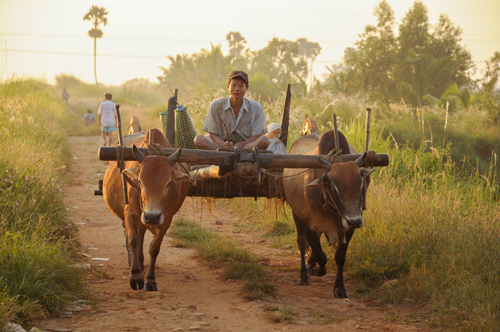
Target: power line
{"points": [[494, 37], [137, 56]]}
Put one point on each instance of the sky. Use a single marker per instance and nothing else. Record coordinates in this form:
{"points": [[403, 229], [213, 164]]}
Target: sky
{"points": [[44, 38]]}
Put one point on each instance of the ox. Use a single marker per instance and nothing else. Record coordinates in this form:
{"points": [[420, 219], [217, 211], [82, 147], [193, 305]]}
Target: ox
{"points": [[158, 191], [325, 201]]}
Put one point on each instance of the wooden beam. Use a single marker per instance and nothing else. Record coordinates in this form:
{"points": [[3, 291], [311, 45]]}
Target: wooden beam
{"points": [[267, 160]]}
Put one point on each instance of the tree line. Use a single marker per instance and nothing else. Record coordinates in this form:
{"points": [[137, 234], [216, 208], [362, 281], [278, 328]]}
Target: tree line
{"points": [[414, 61]]}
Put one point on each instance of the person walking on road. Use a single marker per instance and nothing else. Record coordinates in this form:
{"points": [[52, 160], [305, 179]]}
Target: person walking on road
{"points": [[107, 119], [65, 97]]}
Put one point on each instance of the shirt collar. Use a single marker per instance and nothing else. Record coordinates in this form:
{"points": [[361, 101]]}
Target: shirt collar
{"points": [[245, 106]]}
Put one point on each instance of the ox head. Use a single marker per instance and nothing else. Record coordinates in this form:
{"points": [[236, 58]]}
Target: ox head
{"points": [[155, 175], [344, 186]]}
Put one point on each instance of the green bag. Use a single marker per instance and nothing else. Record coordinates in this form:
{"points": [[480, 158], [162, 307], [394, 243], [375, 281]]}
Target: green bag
{"points": [[184, 129]]}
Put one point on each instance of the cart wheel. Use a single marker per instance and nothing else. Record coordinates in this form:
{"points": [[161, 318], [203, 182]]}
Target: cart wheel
{"points": [[309, 127]]}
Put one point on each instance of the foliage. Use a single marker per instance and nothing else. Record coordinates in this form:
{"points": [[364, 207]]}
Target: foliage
{"points": [[422, 59], [37, 276], [270, 69]]}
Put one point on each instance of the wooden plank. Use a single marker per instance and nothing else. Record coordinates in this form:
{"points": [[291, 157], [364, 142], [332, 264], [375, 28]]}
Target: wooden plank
{"points": [[267, 160], [170, 130], [285, 118]]}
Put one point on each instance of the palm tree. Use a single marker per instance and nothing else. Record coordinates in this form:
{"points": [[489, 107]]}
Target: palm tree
{"points": [[426, 70], [96, 15]]}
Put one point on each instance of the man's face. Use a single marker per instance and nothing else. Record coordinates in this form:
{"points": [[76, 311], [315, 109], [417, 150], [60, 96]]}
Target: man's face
{"points": [[237, 88]]}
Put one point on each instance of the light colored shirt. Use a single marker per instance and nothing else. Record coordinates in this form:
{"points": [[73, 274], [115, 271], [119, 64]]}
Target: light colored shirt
{"points": [[251, 120], [89, 118], [107, 112]]}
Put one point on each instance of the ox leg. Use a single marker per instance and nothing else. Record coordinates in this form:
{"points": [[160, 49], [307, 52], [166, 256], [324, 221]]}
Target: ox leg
{"points": [[317, 254], [303, 246], [136, 276], [142, 232], [154, 250], [127, 246], [339, 289]]}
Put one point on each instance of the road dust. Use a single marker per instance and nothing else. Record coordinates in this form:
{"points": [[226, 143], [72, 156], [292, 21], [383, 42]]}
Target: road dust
{"points": [[192, 296]]}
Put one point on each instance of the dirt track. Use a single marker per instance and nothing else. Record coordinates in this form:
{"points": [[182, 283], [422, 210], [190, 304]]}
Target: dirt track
{"points": [[193, 297]]}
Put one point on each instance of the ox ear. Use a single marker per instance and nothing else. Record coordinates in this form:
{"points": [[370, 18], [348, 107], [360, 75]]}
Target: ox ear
{"points": [[315, 183], [179, 176], [366, 171], [132, 172]]}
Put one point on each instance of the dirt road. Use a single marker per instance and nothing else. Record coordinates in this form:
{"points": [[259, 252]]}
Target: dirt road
{"points": [[191, 296]]}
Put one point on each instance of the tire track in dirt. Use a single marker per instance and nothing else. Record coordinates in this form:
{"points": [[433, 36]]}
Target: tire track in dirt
{"points": [[193, 297]]}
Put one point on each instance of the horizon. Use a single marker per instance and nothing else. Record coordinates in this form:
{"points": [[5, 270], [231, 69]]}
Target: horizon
{"points": [[48, 37]]}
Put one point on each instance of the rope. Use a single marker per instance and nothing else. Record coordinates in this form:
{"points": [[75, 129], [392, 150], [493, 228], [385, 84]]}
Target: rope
{"points": [[120, 156], [155, 149], [330, 157], [283, 176]]}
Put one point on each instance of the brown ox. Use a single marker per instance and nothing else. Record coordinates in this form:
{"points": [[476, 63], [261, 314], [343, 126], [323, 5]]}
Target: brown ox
{"points": [[327, 201], [161, 189]]}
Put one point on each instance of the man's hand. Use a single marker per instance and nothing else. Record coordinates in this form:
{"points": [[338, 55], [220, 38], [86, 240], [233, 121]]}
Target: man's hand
{"points": [[227, 144], [240, 145]]}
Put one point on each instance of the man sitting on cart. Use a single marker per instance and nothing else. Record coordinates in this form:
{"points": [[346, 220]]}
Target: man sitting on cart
{"points": [[234, 121]]}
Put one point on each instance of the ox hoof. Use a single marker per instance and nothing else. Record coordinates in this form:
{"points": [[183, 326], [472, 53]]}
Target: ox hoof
{"points": [[305, 280], [318, 271], [150, 287], [340, 293], [136, 283]]}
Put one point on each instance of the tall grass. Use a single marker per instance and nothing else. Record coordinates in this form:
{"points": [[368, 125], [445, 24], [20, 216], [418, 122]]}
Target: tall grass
{"points": [[36, 238]]}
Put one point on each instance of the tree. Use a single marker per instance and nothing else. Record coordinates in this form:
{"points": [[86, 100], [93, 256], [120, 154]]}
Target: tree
{"points": [[309, 51], [96, 15], [236, 43], [489, 81], [446, 40], [425, 71], [387, 67], [281, 61]]}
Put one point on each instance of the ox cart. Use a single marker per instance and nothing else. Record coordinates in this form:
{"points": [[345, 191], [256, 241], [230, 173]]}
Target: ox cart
{"points": [[322, 179], [229, 173]]}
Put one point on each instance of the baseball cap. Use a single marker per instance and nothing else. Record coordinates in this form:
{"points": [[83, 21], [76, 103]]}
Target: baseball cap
{"points": [[240, 74]]}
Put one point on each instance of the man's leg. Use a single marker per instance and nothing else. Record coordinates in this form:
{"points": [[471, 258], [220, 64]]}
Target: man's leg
{"points": [[103, 134], [110, 138], [261, 143], [201, 142]]}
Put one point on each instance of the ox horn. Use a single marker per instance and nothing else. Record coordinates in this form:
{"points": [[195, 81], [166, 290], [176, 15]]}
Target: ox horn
{"points": [[137, 154], [361, 160], [326, 165], [174, 156]]}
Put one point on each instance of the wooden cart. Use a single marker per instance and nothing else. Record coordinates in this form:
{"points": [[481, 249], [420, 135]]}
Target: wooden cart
{"points": [[229, 173]]}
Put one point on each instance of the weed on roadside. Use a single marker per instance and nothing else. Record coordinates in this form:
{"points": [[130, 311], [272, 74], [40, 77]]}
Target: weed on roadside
{"points": [[280, 314], [238, 262]]}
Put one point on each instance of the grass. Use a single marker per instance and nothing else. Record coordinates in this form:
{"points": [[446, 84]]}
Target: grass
{"points": [[281, 314], [37, 242], [217, 250]]}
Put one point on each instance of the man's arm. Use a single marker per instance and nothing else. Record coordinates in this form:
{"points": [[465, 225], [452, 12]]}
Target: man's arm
{"points": [[217, 140], [99, 119], [241, 145]]}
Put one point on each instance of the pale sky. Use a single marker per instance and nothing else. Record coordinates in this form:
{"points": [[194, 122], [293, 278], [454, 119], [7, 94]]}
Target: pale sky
{"points": [[44, 38]]}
